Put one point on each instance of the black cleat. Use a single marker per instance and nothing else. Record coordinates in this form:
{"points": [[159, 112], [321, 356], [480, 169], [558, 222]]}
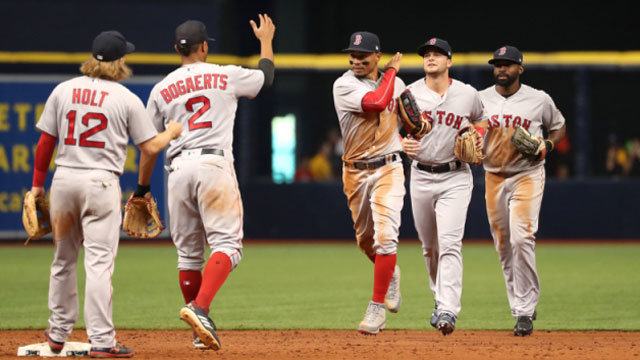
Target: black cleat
{"points": [[117, 351], [445, 323], [55, 346], [199, 320], [524, 326], [434, 316]]}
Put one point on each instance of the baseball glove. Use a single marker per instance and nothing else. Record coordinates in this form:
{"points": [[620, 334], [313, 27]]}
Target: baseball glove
{"points": [[412, 120], [531, 147], [466, 145], [35, 216], [141, 218]]}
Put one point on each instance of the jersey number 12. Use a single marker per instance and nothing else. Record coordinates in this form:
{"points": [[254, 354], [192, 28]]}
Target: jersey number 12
{"points": [[84, 137]]}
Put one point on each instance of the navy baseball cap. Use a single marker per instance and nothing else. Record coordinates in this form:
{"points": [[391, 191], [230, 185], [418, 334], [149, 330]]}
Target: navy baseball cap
{"points": [[439, 44], [509, 53], [191, 32], [110, 46], [364, 41]]}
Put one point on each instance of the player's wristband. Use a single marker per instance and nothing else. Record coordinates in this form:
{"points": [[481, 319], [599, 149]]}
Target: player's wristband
{"points": [[141, 190], [549, 145], [480, 130]]}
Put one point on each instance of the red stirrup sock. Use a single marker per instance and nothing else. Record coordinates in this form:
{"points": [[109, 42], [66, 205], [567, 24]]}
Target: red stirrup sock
{"points": [[190, 284], [382, 274], [215, 273]]}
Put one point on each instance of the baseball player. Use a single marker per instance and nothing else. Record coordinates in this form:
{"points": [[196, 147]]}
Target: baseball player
{"points": [[373, 175], [203, 196], [441, 185], [93, 116], [515, 183]]}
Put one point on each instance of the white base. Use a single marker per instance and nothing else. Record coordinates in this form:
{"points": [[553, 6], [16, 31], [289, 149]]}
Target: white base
{"points": [[42, 349]]}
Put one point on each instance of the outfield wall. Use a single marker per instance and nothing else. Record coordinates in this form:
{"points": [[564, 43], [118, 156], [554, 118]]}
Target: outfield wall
{"points": [[591, 209]]}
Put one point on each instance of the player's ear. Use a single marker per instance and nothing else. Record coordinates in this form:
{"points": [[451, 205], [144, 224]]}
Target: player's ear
{"points": [[520, 69], [175, 47]]}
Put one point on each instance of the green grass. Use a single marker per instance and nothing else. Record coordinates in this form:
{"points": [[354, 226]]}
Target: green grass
{"points": [[327, 286]]}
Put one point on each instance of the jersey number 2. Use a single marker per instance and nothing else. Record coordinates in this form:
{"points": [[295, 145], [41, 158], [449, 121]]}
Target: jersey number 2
{"points": [[84, 137], [206, 105]]}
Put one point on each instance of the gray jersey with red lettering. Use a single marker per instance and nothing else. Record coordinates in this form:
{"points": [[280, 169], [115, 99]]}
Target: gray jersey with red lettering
{"points": [[459, 107], [93, 119], [204, 98], [529, 108], [366, 135]]}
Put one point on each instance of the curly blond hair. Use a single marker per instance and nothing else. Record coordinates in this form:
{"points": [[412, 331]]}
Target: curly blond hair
{"points": [[115, 70]]}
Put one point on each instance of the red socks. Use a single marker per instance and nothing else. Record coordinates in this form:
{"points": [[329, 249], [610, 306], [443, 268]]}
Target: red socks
{"points": [[215, 273], [382, 274], [190, 284]]}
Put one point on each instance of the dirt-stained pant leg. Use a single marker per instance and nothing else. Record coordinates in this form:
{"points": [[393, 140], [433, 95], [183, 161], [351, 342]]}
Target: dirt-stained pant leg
{"points": [[498, 214], [85, 205], [376, 198], [67, 235], [423, 209], [441, 202], [516, 213], [387, 200], [187, 231], [205, 207], [220, 206], [101, 223], [524, 214]]}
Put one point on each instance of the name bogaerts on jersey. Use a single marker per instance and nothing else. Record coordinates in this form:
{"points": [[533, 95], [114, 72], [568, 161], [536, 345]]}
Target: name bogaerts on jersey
{"points": [[194, 83], [508, 121], [88, 97]]}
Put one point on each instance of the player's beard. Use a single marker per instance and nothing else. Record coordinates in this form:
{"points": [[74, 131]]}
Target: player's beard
{"points": [[505, 81]]}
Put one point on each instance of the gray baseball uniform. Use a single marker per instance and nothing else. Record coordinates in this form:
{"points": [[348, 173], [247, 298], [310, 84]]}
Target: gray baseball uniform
{"points": [[441, 187], [93, 119], [514, 187], [375, 196], [203, 195]]}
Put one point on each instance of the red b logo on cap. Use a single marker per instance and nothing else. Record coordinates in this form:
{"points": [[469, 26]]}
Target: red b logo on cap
{"points": [[358, 40], [432, 41], [503, 50]]}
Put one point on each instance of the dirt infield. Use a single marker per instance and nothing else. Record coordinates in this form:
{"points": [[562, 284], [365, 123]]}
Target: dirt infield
{"points": [[393, 344]]}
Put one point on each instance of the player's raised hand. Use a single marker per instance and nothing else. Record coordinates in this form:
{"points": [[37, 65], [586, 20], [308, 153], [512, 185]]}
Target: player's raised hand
{"points": [[266, 29], [410, 146], [394, 62], [175, 129]]}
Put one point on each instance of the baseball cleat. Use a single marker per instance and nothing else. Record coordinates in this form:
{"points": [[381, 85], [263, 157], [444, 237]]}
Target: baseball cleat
{"points": [[374, 319], [197, 343], [446, 323], [55, 346], [434, 316], [117, 351], [524, 326], [535, 314], [198, 319], [393, 298]]}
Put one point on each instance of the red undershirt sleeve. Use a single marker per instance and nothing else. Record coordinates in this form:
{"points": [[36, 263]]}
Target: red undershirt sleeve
{"points": [[376, 101], [44, 152]]}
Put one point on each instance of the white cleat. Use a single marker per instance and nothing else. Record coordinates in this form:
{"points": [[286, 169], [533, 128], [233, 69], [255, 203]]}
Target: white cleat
{"points": [[393, 298], [374, 319]]}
